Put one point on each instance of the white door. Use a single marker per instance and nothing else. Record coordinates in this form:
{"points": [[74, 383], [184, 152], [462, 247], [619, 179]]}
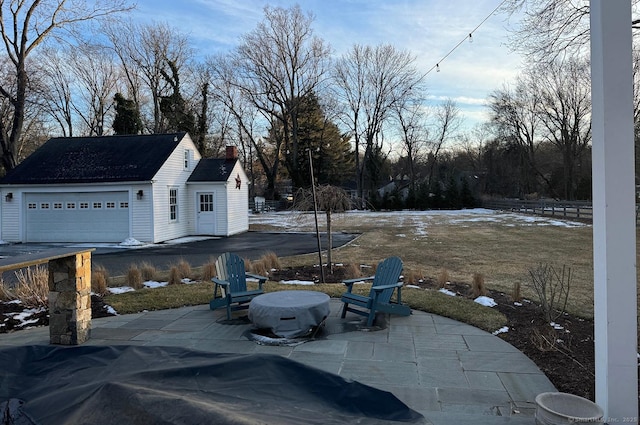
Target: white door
{"points": [[206, 214], [77, 217]]}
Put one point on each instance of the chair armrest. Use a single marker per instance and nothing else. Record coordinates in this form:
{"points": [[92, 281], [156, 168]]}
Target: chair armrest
{"points": [[220, 282], [379, 288], [261, 279], [349, 282]]}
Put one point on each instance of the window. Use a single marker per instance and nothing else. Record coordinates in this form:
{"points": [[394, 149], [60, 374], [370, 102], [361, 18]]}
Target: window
{"points": [[111, 205], [84, 205], [32, 206], [97, 205], [206, 202], [173, 204], [187, 157], [57, 205], [44, 205], [124, 205], [71, 205]]}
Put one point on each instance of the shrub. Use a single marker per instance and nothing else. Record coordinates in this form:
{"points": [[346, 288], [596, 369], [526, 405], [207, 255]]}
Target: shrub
{"points": [[258, 267], [209, 270], [352, 271], [6, 294], [443, 278], [412, 277], [175, 277], [148, 271], [99, 279], [478, 288], [32, 288], [552, 288], [184, 268], [271, 261], [134, 277]]}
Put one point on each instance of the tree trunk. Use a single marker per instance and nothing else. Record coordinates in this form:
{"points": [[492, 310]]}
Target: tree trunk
{"points": [[329, 242]]}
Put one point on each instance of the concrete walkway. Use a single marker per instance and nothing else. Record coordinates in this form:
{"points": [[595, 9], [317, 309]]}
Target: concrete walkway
{"points": [[450, 372]]}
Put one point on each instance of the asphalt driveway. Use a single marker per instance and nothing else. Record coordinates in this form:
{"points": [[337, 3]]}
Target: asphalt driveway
{"points": [[251, 245]]}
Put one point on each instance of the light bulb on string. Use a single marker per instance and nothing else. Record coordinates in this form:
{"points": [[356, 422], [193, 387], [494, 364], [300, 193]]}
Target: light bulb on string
{"points": [[470, 38], [437, 67]]}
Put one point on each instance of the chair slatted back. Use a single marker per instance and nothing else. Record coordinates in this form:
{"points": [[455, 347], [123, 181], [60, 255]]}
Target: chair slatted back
{"points": [[230, 267], [387, 273]]}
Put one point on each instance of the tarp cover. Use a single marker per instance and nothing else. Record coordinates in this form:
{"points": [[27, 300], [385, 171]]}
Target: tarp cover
{"points": [[289, 313], [50, 385]]}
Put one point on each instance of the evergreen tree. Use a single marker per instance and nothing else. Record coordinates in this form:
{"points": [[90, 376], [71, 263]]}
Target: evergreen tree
{"points": [[174, 108], [127, 119]]}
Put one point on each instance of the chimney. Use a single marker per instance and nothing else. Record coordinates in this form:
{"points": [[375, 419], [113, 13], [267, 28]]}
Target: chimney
{"points": [[232, 152]]}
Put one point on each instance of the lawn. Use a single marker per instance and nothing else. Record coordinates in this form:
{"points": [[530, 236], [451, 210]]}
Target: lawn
{"points": [[500, 246]]}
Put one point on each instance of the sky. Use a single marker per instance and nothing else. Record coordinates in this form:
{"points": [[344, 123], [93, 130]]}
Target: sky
{"points": [[429, 29]]}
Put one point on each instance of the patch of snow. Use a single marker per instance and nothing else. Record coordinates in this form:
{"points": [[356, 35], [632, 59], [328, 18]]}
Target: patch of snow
{"points": [[517, 304], [111, 310], [556, 326], [412, 286], [447, 292], [486, 301], [401, 235], [131, 242], [14, 302], [24, 316], [154, 284], [501, 330], [297, 282], [120, 289]]}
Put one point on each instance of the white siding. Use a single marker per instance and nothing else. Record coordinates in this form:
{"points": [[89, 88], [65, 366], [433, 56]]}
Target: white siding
{"points": [[173, 175], [11, 229], [141, 213], [237, 211]]}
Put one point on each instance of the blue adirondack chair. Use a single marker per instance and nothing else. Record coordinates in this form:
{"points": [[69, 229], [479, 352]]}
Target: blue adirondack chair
{"points": [[232, 283], [385, 282]]}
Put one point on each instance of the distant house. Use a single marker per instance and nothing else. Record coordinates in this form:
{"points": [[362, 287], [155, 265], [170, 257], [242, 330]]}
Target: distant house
{"points": [[149, 188]]}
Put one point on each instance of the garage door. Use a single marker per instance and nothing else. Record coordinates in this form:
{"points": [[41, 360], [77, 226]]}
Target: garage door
{"points": [[77, 217]]}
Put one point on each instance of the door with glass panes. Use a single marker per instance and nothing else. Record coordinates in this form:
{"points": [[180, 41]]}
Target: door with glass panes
{"points": [[206, 214]]}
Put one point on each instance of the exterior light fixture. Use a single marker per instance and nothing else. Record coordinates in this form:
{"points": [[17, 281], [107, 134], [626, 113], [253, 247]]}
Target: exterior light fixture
{"points": [[140, 194], [8, 197]]}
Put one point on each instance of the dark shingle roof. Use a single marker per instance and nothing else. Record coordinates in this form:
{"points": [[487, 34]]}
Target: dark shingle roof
{"points": [[95, 159], [212, 170]]}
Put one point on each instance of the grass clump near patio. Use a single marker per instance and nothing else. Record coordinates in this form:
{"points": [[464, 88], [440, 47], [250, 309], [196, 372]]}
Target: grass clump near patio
{"points": [[171, 296]]}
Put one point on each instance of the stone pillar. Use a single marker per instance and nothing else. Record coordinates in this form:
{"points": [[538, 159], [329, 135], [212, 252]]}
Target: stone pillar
{"points": [[70, 299]]}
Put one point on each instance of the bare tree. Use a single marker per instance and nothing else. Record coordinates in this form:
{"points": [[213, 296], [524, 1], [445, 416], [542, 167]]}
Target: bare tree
{"points": [[370, 81], [564, 91], [445, 126], [328, 198], [24, 25], [278, 64], [54, 90], [549, 28], [226, 89], [515, 120], [145, 51], [97, 79], [411, 118]]}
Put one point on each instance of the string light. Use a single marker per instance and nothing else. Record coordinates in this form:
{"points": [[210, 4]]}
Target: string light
{"points": [[468, 37]]}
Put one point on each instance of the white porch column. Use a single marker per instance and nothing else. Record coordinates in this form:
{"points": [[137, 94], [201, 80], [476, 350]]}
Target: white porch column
{"points": [[614, 229]]}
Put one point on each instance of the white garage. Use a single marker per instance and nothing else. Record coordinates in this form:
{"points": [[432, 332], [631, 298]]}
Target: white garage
{"points": [[122, 189], [77, 217]]}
